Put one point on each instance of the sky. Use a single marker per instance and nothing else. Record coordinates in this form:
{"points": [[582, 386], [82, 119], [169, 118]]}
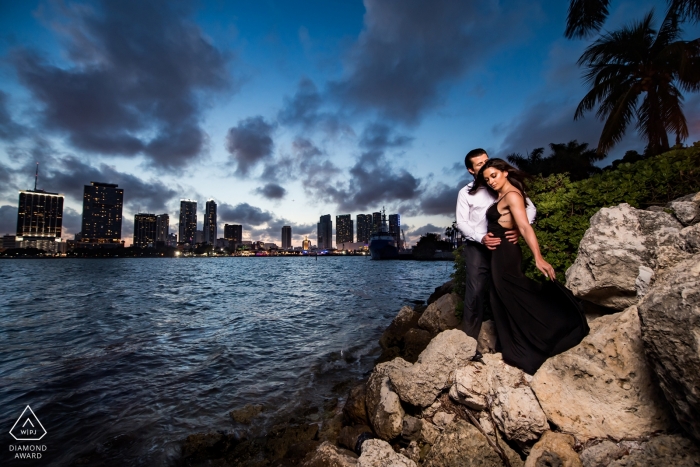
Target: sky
{"points": [[283, 111]]}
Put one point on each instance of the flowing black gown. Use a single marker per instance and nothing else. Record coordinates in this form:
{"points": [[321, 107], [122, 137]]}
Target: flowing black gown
{"points": [[534, 321]]}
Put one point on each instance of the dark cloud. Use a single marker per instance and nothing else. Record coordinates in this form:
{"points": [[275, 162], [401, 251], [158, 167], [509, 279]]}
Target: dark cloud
{"points": [[136, 75], [8, 220], [379, 137], [428, 228], [304, 110], [410, 50], [441, 199], [9, 129], [249, 143], [72, 222], [243, 213], [271, 191]]}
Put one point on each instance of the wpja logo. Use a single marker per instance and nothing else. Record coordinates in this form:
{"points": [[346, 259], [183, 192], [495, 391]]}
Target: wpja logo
{"points": [[28, 428]]}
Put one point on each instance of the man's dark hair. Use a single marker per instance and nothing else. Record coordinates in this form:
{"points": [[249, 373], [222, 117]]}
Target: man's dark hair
{"points": [[471, 155]]}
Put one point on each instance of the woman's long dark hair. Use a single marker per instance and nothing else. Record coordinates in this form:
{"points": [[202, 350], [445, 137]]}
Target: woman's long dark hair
{"points": [[516, 177]]}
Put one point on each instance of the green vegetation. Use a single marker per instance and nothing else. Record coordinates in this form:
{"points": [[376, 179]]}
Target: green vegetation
{"points": [[564, 208]]}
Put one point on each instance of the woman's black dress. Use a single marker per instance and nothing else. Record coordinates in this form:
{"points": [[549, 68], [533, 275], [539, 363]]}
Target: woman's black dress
{"points": [[534, 321]]}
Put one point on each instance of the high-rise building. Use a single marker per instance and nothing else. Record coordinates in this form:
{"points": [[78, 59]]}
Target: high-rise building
{"points": [[325, 232], [162, 228], [210, 222], [286, 237], [233, 233], [306, 244], [343, 229], [198, 237], [145, 230], [364, 227], [376, 221], [188, 221], [395, 228], [39, 219], [102, 213], [171, 240]]}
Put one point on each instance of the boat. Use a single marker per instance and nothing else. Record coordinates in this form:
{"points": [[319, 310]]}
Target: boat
{"points": [[382, 245]]}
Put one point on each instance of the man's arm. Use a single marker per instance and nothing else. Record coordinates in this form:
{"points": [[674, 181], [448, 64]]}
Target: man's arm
{"points": [[531, 210], [462, 216]]}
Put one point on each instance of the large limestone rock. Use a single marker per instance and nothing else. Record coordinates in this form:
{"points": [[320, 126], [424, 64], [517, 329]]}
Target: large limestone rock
{"points": [[554, 449], [618, 242], [462, 445], [488, 338], [518, 414], [355, 408], [670, 323], [662, 451], [688, 212], [604, 386], [440, 315], [420, 383], [691, 236], [383, 405], [378, 453], [393, 335], [328, 455]]}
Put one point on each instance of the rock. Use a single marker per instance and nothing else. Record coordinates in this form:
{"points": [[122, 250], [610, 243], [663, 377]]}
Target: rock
{"points": [[488, 338], [662, 451], [383, 405], [602, 454], [643, 280], [670, 323], [297, 453], [486, 423], [518, 414], [553, 449], [443, 419], [206, 446], [691, 237], [282, 436], [393, 335], [350, 434], [429, 433], [355, 409], [420, 383], [604, 386], [412, 427], [687, 212], [619, 240], [378, 453], [411, 451], [414, 342], [440, 315], [246, 414], [667, 257], [331, 428], [444, 289], [462, 445], [328, 455], [428, 412]]}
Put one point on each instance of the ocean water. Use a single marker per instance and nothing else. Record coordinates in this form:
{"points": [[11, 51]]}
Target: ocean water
{"points": [[121, 359]]}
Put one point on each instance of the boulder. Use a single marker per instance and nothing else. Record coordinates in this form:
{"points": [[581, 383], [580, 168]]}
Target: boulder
{"points": [[393, 335], [246, 414], [462, 445], [603, 453], [670, 323], [604, 386], [414, 342], [378, 453], [383, 405], [328, 455], [518, 414], [412, 451], [412, 427], [662, 451], [349, 435], [691, 237], [443, 419], [554, 449], [688, 212], [420, 383], [355, 409], [488, 338], [444, 289], [429, 433], [618, 242], [440, 315]]}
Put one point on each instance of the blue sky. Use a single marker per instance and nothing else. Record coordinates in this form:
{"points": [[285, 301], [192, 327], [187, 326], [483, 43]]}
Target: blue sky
{"points": [[284, 111]]}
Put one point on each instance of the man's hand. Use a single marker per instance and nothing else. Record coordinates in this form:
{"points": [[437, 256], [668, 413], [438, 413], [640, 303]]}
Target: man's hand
{"points": [[490, 241], [512, 235]]}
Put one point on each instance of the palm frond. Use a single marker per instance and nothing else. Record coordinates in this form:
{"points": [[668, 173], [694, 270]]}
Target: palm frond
{"points": [[585, 17]]}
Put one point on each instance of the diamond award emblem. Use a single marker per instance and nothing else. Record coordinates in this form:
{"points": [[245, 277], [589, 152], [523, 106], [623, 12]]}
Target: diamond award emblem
{"points": [[28, 427]]}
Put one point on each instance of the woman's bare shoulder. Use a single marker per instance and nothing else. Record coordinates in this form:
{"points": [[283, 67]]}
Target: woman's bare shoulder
{"points": [[514, 199]]}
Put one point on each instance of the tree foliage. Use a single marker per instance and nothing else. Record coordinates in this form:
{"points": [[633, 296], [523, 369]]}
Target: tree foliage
{"points": [[572, 158]]}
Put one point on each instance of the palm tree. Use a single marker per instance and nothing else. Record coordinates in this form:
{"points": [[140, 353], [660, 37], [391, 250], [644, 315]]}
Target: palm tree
{"points": [[587, 16], [638, 61], [573, 158]]}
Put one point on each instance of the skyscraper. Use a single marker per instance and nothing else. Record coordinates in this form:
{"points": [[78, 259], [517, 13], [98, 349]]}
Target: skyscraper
{"points": [[286, 237], [145, 230], [162, 228], [376, 221], [233, 233], [395, 228], [325, 232], [306, 244], [210, 222], [102, 213], [343, 229], [39, 219], [364, 227], [188, 221]]}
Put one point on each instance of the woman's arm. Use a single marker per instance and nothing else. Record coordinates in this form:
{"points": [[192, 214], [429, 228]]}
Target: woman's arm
{"points": [[516, 204]]}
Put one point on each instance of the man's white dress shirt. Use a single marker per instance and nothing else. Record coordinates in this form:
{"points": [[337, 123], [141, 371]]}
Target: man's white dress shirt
{"points": [[471, 212]]}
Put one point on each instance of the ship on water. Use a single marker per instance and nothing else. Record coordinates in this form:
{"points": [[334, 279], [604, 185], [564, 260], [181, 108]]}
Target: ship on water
{"points": [[382, 245]]}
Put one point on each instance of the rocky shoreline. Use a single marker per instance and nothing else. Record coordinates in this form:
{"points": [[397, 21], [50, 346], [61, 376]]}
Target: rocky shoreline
{"points": [[627, 395]]}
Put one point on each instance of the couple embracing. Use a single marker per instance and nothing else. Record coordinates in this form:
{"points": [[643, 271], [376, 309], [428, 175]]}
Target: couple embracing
{"points": [[534, 321]]}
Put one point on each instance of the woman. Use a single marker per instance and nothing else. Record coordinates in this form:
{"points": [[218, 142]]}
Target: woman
{"points": [[534, 321]]}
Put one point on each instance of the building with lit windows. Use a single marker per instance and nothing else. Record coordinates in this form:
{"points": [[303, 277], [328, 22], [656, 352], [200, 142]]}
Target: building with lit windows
{"points": [[376, 221], [306, 244], [286, 237], [210, 222], [188, 221], [233, 233], [324, 232], [395, 228], [343, 229], [102, 214], [364, 227], [162, 228], [145, 230], [39, 219]]}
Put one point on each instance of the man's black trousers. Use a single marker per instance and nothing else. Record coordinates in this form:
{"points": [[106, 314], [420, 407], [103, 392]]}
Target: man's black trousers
{"points": [[478, 265]]}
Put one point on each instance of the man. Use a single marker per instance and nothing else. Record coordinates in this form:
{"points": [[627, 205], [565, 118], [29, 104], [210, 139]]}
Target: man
{"points": [[471, 221]]}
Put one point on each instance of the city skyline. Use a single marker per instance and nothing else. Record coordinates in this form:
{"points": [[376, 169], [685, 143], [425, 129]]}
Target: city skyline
{"points": [[305, 108]]}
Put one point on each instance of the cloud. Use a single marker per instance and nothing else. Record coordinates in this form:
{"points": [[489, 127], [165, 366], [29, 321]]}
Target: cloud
{"points": [[441, 200], [411, 50], [8, 219], [242, 213], [72, 222], [271, 191], [9, 129], [428, 228], [249, 143], [303, 110], [134, 83]]}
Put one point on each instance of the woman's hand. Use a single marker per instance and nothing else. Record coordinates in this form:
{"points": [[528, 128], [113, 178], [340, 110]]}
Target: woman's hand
{"points": [[545, 268]]}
